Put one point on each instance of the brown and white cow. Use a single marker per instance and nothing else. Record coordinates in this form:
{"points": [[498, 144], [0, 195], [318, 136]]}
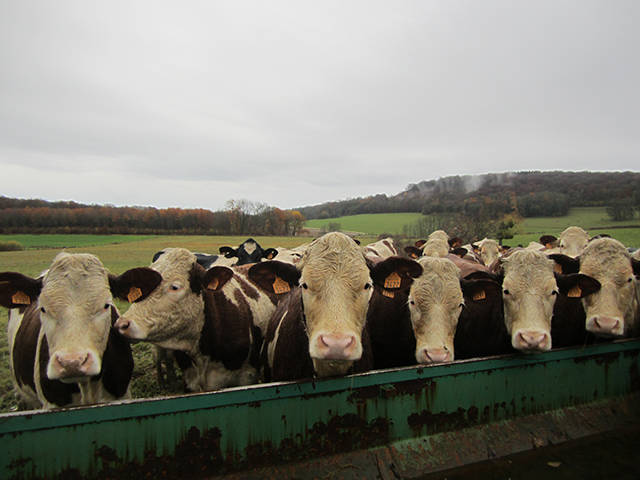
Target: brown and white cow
{"points": [[614, 310], [319, 328], [215, 318], [572, 241], [62, 347], [381, 249], [530, 289]]}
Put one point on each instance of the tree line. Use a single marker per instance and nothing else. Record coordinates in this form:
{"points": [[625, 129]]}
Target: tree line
{"points": [[533, 194], [239, 217]]}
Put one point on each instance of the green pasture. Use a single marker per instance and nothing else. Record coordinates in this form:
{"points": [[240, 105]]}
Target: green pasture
{"points": [[372, 224]]}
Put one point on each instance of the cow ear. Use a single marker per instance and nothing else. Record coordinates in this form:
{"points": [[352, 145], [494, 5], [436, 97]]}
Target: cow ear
{"points": [[274, 277], [228, 252], [269, 253], [635, 264], [577, 285], [549, 241], [413, 252], [480, 290], [135, 285], [420, 243], [460, 252], [18, 290], [455, 242], [216, 277], [565, 264], [395, 273]]}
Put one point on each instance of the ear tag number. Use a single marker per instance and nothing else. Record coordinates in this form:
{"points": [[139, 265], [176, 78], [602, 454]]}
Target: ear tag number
{"points": [[393, 281], [21, 298], [481, 295], [134, 294], [389, 294], [280, 286]]}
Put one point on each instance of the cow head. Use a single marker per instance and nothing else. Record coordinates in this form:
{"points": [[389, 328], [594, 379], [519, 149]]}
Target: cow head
{"points": [[530, 288], [249, 252], [614, 309], [74, 302]]}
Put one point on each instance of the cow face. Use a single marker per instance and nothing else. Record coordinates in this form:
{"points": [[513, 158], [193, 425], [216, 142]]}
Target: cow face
{"points": [[173, 314], [573, 241], [336, 288], [613, 310], [76, 310], [435, 303]]}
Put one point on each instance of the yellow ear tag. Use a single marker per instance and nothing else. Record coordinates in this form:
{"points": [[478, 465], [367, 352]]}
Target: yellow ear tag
{"points": [[134, 294], [393, 281], [557, 268], [414, 255], [481, 295], [389, 294], [21, 298], [575, 292], [280, 286], [214, 284]]}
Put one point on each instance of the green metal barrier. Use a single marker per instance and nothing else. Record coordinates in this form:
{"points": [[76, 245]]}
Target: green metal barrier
{"points": [[393, 423]]}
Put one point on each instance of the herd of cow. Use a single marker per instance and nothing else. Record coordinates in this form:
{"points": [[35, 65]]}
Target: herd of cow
{"points": [[331, 307]]}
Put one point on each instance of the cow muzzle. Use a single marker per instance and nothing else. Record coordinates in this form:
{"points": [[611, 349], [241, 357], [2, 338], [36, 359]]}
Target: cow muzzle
{"points": [[604, 326], [340, 347], [73, 367], [531, 341], [427, 356]]}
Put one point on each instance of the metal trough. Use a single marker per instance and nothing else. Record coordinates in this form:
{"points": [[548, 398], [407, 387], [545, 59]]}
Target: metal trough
{"points": [[401, 423]]}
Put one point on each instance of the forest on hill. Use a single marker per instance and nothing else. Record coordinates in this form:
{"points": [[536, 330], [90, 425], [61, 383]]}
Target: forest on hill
{"points": [[532, 194], [490, 203]]}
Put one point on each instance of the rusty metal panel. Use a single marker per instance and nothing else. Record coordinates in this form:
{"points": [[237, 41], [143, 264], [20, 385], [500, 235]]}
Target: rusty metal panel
{"points": [[393, 423]]}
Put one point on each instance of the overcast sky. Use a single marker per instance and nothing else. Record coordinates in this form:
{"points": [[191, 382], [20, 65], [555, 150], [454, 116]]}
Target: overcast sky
{"points": [[294, 103]]}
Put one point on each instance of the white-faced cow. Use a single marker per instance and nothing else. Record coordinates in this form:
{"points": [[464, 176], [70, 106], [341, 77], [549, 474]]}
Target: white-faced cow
{"points": [[572, 242], [436, 246], [318, 329], [417, 324], [531, 288], [214, 317], [614, 310], [248, 252], [62, 347]]}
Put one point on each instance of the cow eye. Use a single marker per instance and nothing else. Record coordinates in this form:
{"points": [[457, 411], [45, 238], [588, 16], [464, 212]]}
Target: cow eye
{"points": [[411, 302], [107, 306], [555, 292], [304, 285], [42, 310], [505, 291], [175, 287], [367, 286]]}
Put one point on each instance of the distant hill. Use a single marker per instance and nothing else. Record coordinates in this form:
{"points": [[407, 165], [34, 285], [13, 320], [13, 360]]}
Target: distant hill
{"points": [[533, 193]]}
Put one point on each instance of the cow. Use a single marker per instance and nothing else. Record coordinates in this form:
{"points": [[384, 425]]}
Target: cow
{"points": [[613, 311], [63, 349], [530, 290], [318, 329], [436, 246], [488, 250], [417, 324], [248, 252], [214, 320], [381, 249], [204, 259], [572, 242]]}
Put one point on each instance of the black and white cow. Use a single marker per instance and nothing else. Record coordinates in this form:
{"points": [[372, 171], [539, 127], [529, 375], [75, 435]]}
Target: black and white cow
{"points": [[62, 347], [249, 251]]}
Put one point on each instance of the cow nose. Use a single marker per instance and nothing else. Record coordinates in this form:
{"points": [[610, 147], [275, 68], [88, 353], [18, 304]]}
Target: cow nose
{"points": [[336, 346], [435, 355], [122, 325], [532, 341], [73, 364], [608, 326]]}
